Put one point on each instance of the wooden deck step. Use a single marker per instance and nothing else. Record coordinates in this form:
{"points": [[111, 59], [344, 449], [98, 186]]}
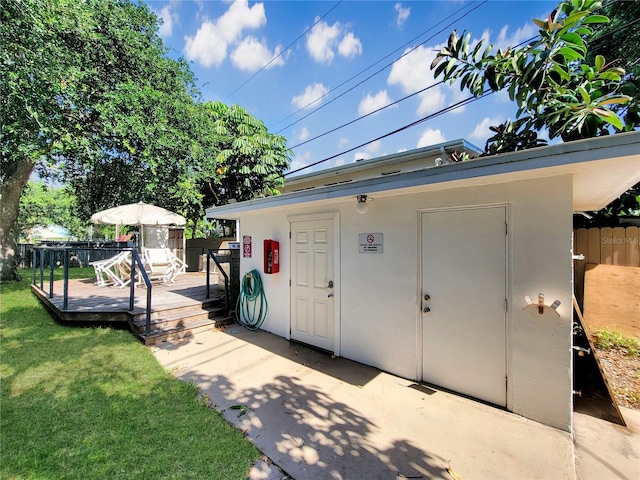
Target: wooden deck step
{"points": [[179, 323], [176, 320], [181, 333], [178, 312]]}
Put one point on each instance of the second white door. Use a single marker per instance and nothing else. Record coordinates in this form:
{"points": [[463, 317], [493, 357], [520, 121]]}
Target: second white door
{"points": [[464, 301]]}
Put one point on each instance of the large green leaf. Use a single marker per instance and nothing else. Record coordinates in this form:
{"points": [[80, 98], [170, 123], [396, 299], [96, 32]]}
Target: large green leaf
{"points": [[595, 19], [609, 117]]}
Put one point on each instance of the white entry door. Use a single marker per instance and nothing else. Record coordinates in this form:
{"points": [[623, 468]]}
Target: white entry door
{"points": [[312, 283], [464, 291]]}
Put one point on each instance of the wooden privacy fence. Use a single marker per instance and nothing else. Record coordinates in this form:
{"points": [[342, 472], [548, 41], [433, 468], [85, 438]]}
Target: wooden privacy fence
{"points": [[609, 246]]}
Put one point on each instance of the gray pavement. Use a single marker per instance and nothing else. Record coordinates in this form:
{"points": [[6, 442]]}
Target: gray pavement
{"points": [[319, 417], [605, 450]]}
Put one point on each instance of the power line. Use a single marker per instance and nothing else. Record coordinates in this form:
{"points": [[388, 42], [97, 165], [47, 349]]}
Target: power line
{"points": [[383, 108], [285, 49], [398, 130], [440, 112], [398, 101], [376, 72], [367, 115]]}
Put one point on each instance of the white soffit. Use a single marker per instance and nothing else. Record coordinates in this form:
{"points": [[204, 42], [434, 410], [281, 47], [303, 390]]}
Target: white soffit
{"points": [[602, 169]]}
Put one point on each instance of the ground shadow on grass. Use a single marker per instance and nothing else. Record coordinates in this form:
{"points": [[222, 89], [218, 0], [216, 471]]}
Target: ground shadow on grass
{"points": [[310, 435], [102, 407]]}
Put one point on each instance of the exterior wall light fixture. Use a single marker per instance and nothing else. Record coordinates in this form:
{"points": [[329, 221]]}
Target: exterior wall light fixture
{"points": [[362, 206]]}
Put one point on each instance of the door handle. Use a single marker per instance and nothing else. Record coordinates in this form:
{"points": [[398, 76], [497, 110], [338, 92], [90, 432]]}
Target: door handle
{"points": [[330, 295], [427, 297], [426, 309], [330, 284]]}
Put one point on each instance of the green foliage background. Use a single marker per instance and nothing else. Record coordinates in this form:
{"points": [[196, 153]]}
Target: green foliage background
{"points": [[91, 100]]}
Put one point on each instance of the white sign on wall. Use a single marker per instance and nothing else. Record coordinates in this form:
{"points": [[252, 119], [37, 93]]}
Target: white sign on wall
{"points": [[370, 243]]}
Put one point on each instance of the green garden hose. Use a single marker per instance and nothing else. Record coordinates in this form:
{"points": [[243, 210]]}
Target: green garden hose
{"points": [[252, 306]]}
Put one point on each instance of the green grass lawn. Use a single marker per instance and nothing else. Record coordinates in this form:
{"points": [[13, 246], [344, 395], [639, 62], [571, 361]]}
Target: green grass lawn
{"points": [[94, 403]]}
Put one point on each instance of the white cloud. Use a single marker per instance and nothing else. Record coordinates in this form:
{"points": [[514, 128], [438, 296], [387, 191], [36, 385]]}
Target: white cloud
{"points": [[506, 39], [502, 96], [374, 147], [350, 46], [252, 54], [482, 132], [361, 156], [403, 14], [169, 17], [210, 43], [303, 134], [300, 160], [207, 47], [486, 36], [371, 103], [523, 33], [343, 142], [432, 100], [412, 73], [310, 96], [323, 40], [430, 137], [458, 95], [240, 16]]}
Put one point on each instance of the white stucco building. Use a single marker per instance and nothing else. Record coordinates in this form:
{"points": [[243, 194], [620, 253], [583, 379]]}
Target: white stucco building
{"points": [[430, 283]]}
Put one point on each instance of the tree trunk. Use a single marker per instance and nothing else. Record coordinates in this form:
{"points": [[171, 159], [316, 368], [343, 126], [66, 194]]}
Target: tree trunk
{"points": [[10, 192]]}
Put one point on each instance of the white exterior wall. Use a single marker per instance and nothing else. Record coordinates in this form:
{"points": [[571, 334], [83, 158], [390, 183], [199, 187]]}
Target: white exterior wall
{"points": [[378, 299]]}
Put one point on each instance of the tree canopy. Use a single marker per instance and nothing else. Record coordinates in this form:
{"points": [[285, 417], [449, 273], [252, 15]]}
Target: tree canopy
{"points": [[91, 98], [579, 78], [619, 39], [250, 162], [43, 205], [550, 79]]}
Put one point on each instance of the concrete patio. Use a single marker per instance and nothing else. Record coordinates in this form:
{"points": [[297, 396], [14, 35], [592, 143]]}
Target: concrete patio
{"points": [[319, 417]]}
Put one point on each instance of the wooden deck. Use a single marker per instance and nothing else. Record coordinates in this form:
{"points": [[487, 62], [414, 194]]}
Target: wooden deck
{"points": [[175, 308]]}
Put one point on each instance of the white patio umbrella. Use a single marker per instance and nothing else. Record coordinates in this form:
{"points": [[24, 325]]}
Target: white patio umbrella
{"points": [[138, 214]]}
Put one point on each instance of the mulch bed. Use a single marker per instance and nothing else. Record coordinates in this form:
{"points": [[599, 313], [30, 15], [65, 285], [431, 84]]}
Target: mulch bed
{"points": [[623, 375]]}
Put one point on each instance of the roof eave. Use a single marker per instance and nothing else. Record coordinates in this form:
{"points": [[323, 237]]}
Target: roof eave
{"points": [[545, 161], [432, 150]]}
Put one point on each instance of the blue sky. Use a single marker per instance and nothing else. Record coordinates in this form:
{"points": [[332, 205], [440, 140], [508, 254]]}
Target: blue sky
{"points": [[347, 64]]}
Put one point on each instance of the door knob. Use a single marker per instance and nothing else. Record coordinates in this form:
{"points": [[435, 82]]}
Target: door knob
{"points": [[330, 284], [427, 297], [426, 309], [330, 295]]}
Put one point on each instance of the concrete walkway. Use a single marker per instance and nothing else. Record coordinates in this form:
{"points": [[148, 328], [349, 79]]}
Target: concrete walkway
{"points": [[318, 417]]}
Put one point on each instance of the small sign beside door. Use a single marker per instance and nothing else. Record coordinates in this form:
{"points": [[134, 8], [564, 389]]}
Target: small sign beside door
{"points": [[246, 246], [370, 243]]}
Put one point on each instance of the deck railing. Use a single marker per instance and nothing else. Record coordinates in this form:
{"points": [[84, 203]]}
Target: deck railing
{"points": [[218, 260], [39, 260]]}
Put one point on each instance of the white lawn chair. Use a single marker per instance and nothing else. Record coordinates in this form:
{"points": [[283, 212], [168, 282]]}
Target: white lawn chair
{"points": [[162, 264], [110, 271]]}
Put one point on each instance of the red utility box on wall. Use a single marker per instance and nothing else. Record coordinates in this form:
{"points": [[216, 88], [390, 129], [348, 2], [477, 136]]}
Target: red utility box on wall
{"points": [[271, 256]]}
